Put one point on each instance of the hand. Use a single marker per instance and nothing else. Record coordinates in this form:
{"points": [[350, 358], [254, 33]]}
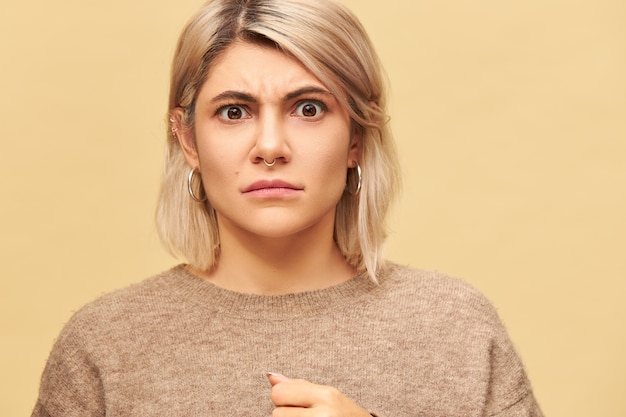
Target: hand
{"points": [[297, 397]]}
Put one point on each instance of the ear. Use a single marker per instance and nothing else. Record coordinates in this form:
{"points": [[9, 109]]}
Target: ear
{"points": [[354, 152], [185, 137]]}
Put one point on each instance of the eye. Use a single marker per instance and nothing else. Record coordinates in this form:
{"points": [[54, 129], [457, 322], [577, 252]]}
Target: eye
{"points": [[310, 109], [232, 112]]}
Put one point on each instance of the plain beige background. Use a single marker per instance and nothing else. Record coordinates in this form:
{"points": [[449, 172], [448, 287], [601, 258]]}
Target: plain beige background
{"points": [[511, 121]]}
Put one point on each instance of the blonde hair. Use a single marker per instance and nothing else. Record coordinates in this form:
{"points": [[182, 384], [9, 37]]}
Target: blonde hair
{"points": [[331, 43]]}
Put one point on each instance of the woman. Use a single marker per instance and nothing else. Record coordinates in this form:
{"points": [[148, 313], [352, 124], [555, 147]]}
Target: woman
{"points": [[278, 176]]}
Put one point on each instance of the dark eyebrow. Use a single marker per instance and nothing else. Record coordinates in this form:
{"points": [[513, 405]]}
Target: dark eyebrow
{"points": [[233, 95], [306, 90]]}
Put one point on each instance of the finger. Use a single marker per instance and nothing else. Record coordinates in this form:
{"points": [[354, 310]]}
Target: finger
{"points": [[285, 396], [293, 412], [301, 393], [276, 378]]}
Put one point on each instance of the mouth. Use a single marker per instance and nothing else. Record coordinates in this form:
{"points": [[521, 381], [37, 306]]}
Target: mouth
{"points": [[275, 187]]}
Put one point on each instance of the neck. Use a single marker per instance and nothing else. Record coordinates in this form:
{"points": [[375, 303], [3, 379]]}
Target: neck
{"points": [[274, 266]]}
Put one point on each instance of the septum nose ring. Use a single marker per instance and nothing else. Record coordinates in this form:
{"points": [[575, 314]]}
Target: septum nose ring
{"points": [[267, 164]]}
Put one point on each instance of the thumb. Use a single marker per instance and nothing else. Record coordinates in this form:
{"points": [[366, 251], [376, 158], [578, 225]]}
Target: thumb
{"points": [[275, 378]]}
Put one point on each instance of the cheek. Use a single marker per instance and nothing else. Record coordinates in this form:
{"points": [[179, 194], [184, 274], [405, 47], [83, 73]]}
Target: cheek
{"points": [[219, 171], [330, 144], [328, 165], [333, 163], [218, 155], [333, 155]]}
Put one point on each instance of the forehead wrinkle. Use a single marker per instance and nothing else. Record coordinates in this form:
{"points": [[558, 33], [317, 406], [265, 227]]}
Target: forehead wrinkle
{"points": [[231, 79]]}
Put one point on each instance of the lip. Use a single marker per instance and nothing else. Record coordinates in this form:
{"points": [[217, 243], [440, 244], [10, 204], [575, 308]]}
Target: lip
{"points": [[272, 188]]}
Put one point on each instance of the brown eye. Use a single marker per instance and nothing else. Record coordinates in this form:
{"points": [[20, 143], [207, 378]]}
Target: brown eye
{"points": [[233, 112], [310, 109]]}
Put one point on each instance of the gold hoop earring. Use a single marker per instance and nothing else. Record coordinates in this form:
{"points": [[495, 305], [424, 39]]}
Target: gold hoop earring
{"points": [[190, 189]]}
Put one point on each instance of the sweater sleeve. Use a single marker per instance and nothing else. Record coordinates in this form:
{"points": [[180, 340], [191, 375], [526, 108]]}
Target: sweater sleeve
{"points": [[509, 392], [70, 384], [525, 407]]}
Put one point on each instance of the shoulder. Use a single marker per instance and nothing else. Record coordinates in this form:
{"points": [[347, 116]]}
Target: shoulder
{"points": [[156, 289], [101, 338], [425, 280], [431, 285], [122, 310], [454, 323], [436, 294]]}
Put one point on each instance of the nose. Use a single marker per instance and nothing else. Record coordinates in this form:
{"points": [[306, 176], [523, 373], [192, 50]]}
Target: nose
{"points": [[271, 142]]}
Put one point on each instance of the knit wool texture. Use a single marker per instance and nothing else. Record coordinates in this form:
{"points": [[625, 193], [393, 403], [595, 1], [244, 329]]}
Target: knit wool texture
{"points": [[417, 344]]}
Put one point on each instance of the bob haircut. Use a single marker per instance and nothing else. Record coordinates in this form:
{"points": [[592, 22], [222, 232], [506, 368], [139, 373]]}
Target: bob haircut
{"points": [[332, 44]]}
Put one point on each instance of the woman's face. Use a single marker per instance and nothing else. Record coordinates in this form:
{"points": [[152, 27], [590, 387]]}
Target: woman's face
{"points": [[258, 105]]}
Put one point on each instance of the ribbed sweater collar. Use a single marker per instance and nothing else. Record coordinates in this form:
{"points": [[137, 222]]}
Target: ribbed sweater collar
{"points": [[206, 295]]}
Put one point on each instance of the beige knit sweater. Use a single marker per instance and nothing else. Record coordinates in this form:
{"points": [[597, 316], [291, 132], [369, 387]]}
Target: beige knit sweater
{"points": [[419, 344]]}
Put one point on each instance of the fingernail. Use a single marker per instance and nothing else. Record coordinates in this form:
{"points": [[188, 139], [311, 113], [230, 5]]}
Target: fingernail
{"points": [[276, 375]]}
